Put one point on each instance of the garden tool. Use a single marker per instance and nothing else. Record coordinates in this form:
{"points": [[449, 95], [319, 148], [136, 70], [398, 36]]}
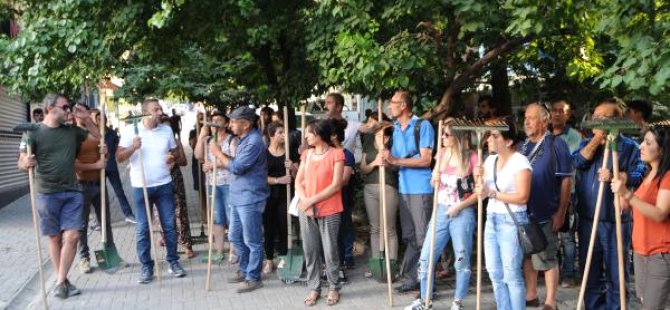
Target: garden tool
{"points": [[147, 208], [613, 126], [31, 184], [289, 268], [479, 127], [210, 221], [106, 255], [433, 220]]}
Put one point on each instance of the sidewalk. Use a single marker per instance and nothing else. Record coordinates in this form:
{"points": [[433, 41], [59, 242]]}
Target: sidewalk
{"points": [[19, 285]]}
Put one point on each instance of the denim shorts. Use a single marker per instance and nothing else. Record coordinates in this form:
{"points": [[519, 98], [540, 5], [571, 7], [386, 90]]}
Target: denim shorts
{"points": [[60, 211], [221, 207]]}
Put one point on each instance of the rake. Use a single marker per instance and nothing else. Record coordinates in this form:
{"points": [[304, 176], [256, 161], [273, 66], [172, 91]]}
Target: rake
{"points": [[613, 126], [479, 126]]}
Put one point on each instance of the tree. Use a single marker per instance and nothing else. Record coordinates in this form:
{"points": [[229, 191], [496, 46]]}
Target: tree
{"points": [[435, 48]]}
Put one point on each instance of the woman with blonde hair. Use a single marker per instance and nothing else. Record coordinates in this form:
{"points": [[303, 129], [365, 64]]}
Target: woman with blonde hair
{"points": [[455, 217]]}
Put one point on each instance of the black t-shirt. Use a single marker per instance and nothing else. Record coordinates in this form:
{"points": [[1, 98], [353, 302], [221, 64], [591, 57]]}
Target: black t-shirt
{"points": [[276, 169]]}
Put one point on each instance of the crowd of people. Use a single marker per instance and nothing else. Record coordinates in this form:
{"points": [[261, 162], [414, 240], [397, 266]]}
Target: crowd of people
{"points": [[549, 176]]}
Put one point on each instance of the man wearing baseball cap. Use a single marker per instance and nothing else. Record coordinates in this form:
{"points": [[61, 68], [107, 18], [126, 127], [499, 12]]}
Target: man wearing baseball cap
{"points": [[248, 192]]}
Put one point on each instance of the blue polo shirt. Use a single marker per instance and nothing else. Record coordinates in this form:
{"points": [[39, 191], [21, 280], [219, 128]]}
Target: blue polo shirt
{"points": [[249, 171], [413, 181], [547, 175]]}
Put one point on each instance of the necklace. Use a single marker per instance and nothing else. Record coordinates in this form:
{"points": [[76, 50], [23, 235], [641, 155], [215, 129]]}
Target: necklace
{"points": [[536, 150]]}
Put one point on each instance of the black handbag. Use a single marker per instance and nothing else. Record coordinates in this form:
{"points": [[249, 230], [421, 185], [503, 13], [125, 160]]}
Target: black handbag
{"points": [[531, 236]]}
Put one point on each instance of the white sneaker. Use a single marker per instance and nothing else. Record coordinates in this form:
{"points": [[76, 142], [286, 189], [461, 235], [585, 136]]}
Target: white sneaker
{"points": [[419, 305], [85, 265], [456, 305]]}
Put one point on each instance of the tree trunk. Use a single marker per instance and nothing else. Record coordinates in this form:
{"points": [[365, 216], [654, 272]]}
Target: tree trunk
{"points": [[500, 83]]}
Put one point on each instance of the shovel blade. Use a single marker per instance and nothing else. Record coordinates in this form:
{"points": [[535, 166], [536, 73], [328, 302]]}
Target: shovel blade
{"points": [[377, 266], [108, 258], [289, 268]]}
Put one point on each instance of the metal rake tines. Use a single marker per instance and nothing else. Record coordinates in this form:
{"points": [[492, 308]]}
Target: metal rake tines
{"points": [[131, 118], [478, 125], [609, 124], [662, 123]]}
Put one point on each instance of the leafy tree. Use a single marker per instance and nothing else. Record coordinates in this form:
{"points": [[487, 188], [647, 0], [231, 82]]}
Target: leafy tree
{"points": [[436, 49]]}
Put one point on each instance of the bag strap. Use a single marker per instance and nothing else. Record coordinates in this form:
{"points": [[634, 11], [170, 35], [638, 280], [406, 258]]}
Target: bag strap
{"points": [[495, 182]]}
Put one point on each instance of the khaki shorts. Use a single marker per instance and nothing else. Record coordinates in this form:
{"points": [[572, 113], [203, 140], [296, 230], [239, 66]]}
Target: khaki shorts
{"points": [[548, 258], [652, 280]]}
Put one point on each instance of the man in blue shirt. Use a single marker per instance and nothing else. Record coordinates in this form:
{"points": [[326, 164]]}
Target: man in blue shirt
{"points": [[416, 194], [248, 193], [561, 112], [549, 197], [603, 292]]}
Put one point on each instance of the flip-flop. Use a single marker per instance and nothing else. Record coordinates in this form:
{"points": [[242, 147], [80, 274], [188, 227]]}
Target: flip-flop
{"points": [[311, 298], [333, 300]]}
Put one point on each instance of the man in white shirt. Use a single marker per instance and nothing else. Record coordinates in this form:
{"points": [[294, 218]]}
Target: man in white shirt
{"points": [[159, 152]]}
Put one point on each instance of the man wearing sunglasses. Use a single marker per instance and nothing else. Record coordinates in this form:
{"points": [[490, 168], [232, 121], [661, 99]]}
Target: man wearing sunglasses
{"points": [[60, 202]]}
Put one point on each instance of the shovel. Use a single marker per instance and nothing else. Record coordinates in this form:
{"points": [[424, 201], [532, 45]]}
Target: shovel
{"points": [[107, 256], [289, 268], [381, 267]]}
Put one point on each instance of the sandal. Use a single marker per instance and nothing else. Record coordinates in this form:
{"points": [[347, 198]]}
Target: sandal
{"points": [[311, 298], [333, 298]]}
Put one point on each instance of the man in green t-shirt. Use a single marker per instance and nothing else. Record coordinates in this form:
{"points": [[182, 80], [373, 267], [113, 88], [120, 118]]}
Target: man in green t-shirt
{"points": [[59, 201]]}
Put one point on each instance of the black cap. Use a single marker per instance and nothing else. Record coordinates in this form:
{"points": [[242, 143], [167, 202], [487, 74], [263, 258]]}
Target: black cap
{"points": [[244, 112]]}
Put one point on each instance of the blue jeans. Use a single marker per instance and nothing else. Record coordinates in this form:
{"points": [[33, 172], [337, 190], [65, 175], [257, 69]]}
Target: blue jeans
{"points": [[569, 252], [115, 180], [602, 291], [221, 208], [246, 234], [504, 260], [163, 198], [460, 230]]}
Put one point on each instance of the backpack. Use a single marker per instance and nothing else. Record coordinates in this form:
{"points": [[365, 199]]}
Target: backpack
{"points": [[417, 138]]}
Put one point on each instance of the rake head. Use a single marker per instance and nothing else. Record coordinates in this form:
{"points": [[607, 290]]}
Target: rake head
{"points": [[479, 125], [663, 123], [23, 127], [610, 124], [130, 119]]}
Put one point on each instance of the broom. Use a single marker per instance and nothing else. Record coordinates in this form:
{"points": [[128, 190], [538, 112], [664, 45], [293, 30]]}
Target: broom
{"points": [[479, 127]]}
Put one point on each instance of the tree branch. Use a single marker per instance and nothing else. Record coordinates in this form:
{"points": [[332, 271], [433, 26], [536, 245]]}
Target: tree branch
{"points": [[470, 74]]}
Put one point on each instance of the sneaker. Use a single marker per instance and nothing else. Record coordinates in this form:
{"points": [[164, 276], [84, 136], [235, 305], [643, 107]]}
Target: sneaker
{"points": [[176, 270], [71, 289], [147, 275], [238, 277], [248, 286], [342, 278], [419, 305], [85, 265], [131, 219], [61, 290], [407, 287], [456, 305]]}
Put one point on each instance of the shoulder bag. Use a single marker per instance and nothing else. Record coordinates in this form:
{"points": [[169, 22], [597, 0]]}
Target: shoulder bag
{"points": [[531, 237]]}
